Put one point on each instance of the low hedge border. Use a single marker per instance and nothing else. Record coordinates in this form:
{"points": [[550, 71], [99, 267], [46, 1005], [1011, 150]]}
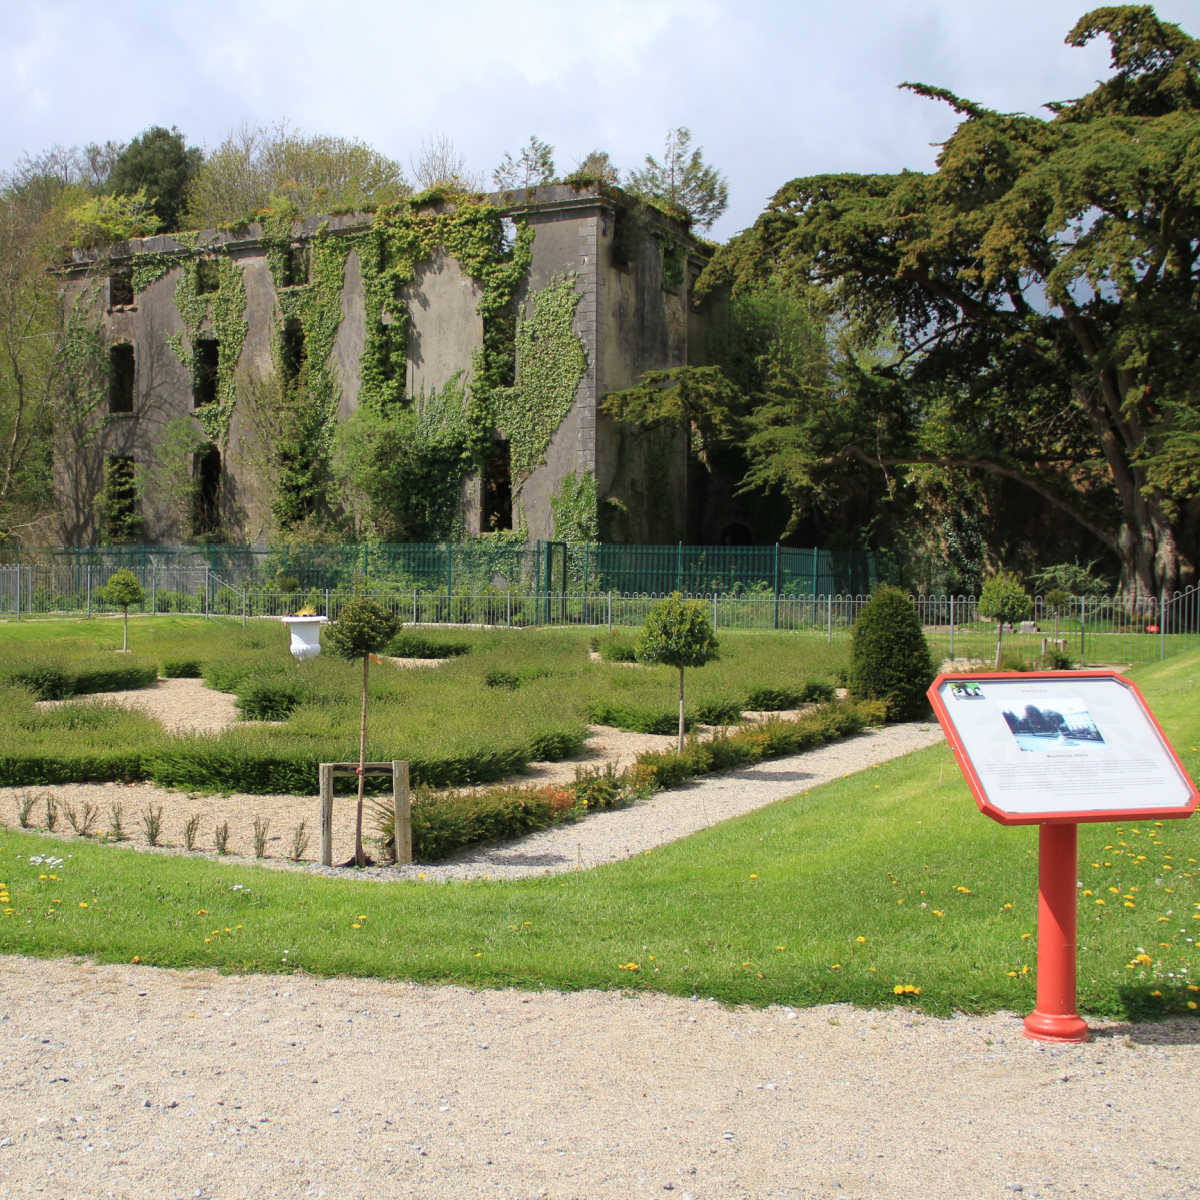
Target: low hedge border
{"points": [[448, 822], [59, 683]]}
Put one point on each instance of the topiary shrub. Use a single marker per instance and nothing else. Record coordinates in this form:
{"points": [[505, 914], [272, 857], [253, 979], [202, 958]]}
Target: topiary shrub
{"points": [[122, 590], [889, 657], [363, 628], [1006, 602], [678, 634]]}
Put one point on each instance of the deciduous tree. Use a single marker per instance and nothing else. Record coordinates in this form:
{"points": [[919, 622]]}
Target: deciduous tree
{"points": [[259, 168]]}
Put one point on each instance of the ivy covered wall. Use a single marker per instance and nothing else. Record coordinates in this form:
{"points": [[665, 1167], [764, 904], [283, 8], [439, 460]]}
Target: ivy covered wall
{"points": [[469, 336]]}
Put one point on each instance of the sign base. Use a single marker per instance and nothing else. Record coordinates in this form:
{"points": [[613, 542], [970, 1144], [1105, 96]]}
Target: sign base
{"points": [[1056, 1027]]}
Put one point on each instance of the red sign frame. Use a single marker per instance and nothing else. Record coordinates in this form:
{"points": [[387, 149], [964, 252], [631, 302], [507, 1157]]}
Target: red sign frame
{"points": [[1058, 815]]}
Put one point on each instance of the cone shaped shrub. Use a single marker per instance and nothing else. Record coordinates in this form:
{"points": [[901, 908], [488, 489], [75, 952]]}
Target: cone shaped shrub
{"points": [[889, 658]]}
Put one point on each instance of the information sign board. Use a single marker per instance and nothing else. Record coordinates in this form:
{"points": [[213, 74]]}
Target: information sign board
{"points": [[1060, 747]]}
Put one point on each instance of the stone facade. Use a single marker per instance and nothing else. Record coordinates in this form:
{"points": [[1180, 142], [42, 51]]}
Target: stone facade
{"points": [[632, 268]]}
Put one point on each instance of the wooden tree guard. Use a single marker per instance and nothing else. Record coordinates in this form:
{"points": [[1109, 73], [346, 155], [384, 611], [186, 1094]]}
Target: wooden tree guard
{"points": [[401, 805]]}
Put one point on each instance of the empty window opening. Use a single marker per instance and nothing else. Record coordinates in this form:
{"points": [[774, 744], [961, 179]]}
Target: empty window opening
{"points": [[296, 266], [497, 488], [119, 519], [120, 289], [292, 351], [206, 477], [208, 276], [120, 378], [204, 372]]}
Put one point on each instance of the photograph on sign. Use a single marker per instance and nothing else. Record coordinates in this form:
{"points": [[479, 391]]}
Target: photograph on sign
{"points": [[1040, 727], [1060, 744]]}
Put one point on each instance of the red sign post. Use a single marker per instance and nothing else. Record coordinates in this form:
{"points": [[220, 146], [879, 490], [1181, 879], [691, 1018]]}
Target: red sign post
{"points": [[1053, 749]]}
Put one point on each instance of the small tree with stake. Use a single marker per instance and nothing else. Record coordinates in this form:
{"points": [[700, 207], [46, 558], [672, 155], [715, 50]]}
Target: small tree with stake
{"points": [[123, 589], [679, 634], [363, 628], [1004, 600]]}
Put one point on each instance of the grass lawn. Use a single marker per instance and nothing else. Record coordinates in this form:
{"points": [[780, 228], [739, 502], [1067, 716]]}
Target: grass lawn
{"points": [[886, 879]]}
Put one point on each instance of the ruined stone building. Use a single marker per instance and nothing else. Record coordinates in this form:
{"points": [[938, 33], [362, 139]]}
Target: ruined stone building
{"points": [[233, 357]]}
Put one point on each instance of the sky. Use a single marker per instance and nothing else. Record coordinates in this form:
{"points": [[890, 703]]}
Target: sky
{"points": [[770, 89]]}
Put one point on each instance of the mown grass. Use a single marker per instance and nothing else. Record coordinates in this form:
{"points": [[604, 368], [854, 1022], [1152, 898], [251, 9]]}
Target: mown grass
{"points": [[888, 878]]}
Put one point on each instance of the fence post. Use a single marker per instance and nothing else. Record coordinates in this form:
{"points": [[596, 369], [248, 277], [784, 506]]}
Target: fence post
{"points": [[714, 610], [244, 606], [508, 606], [18, 589], [325, 776], [89, 589], [414, 620], [952, 625], [610, 610], [1162, 626], [829, 618], [1082, 622], [207, 591], [776, 585], [401, 814]]}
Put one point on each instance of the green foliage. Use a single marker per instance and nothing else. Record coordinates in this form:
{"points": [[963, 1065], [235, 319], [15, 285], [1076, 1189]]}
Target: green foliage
{"points": [[771, 699], [160, 165], [551, 360], [1064, 402], [889, 657], [122, 590], [407, 644], [363, 627], [682, 182], [405, 467], [616, 648], [182, 668], [1003, 599], [224, 313], [702, 401], [508, 680], [677, 633], [443, 824], [102, 220], [575, 509], [595, 168], [257, 169], [533, 166], [120, 518], [1075, 578], [267, 699], [775, 738]]}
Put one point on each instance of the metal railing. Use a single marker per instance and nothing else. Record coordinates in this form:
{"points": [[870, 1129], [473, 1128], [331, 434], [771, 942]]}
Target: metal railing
{"points": [[484, 563], [1082, 630]]}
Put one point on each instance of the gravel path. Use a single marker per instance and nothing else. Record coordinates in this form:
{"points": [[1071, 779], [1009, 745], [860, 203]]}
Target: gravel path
{"points": [[125, 1081]]}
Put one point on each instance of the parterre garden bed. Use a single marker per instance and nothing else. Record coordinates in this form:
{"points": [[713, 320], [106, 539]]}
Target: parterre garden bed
{"points": [[498, 701]]}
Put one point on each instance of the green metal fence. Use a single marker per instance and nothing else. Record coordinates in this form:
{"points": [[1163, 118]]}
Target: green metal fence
{"points": [[546, 567]]}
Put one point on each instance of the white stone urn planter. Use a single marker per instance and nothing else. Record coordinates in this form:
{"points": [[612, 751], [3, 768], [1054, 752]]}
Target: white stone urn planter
{"points": [[306, 635]]}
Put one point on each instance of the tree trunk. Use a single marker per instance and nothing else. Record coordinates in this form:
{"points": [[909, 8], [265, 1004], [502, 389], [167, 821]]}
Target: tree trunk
{"points": [[360, 858], [999, 639], [125, 632], [682, 722]]}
